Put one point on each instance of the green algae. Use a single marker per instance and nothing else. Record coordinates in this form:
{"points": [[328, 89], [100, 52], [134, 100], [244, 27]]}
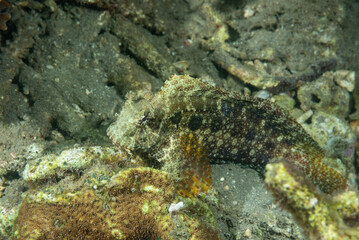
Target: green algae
{"points": [[321, 217]]}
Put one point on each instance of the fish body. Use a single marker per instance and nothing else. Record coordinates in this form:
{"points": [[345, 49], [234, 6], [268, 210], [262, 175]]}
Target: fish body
{"points": [[227, 126]]}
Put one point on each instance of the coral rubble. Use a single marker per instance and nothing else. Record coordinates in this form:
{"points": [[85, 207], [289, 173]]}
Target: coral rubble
{"points": [[323, 94], [321, 217], [68, 161]]}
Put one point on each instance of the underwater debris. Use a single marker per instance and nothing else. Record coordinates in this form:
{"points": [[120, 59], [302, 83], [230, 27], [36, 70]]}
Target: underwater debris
{"points": [[313, 72], [134, 205], [4, 17], [128, 17], [250, 68], [320, 217], [230, 127], [247, 73], [144, 48], [255, 75]]}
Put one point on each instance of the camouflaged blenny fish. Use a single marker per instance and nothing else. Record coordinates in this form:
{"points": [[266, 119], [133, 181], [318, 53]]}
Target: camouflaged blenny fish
{"points": [[228, 126]]}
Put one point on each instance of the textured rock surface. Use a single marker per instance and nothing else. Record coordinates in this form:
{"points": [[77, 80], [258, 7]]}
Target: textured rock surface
{"points": [[68, 65], [19, 143]]}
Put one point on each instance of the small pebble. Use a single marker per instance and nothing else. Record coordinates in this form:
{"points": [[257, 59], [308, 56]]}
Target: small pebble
{"points": [[305, 116], [248, 12], [262, 94], [248, 233], [345, 79]]}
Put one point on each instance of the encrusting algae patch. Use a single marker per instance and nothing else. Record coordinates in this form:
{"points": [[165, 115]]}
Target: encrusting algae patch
{"points": [[134, 205], [225, 126], [335, 218]]}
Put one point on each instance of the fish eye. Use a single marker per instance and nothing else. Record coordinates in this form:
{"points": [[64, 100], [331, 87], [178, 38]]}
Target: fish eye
{"points": [[144, 119]]}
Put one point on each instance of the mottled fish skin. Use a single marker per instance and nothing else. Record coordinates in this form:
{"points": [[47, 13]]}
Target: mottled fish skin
{"points": [[232, 128]]}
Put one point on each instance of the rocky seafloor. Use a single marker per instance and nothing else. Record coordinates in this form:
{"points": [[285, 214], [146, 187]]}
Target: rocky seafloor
{"points": [[66, 68]]}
